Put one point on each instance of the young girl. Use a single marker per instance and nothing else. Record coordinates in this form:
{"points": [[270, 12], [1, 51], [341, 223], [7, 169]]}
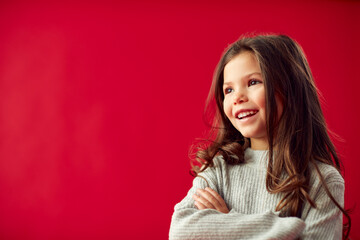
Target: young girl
{"points": [[272, 171]]}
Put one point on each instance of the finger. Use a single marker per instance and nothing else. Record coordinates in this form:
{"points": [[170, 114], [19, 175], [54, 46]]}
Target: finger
{"points": [[222, 207], [217, 196], [203, 201], [209, 197], [199, 205]]}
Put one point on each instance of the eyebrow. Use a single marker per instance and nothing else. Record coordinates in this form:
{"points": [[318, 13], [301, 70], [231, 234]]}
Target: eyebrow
{"points": [[246, 76]]}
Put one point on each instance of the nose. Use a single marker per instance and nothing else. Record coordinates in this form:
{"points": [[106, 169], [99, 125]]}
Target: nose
{"points": [[240, 97]]}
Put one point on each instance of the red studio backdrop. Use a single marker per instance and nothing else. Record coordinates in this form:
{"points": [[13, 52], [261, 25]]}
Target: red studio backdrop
{"points": [[101, 100]]}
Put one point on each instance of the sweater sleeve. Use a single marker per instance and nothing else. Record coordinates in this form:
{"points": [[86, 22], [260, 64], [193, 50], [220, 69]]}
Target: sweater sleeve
{"points": [[325, 221], [190, 223]]}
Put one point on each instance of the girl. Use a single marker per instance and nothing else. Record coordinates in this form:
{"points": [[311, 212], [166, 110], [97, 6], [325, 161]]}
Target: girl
{"points": [[272, 171]]}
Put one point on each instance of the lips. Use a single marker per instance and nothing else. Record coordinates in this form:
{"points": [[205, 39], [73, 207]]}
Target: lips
{"points": [[245, 113]]}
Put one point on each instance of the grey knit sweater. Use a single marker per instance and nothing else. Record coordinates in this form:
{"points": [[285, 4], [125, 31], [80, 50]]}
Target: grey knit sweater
{"points": [[252, 208]]}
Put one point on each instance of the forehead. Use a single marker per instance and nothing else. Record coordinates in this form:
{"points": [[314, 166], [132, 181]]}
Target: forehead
{"points": [[240, 66]]}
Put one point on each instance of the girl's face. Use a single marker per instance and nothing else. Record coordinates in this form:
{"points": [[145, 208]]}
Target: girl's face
{"points": [[244, 98]]}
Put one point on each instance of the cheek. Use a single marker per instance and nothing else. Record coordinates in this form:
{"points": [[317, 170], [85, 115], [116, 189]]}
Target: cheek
{"points": [[261, 103], [227, 107], [261, 99]]}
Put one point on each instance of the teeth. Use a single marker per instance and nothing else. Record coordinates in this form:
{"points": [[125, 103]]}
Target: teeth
{"points": [[244, 114]]}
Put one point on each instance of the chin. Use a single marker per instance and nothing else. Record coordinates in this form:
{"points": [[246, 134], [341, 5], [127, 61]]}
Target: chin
{"points": [[252, 134]]}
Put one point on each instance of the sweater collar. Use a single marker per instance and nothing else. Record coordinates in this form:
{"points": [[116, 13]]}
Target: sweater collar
{"points": [[257, 156]]}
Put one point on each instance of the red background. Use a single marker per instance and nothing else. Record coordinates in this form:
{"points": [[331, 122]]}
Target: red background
{"points": [[100, 102]]}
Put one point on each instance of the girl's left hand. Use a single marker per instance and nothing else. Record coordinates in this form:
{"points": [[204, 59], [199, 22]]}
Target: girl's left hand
{"points": [[209, 199]]}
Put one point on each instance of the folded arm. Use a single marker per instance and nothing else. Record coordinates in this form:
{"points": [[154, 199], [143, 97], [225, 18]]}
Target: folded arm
{"points": [[188, 222], [210, 219]]}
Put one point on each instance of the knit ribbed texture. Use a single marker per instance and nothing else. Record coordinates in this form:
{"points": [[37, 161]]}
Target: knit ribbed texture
{"points": [[252, 208]]}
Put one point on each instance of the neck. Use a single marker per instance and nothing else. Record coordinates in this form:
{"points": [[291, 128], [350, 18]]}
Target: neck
{"points": [[259, 143]]}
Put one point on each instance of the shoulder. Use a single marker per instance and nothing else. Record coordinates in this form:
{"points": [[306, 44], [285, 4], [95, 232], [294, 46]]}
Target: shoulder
{"points": [[218, 166], [333, 180], [329, 173], [219, 163], [214, 175]]}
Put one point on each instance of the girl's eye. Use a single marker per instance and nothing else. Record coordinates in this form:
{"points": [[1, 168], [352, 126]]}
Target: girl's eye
{"points": [[227, 90], [253, 82]]}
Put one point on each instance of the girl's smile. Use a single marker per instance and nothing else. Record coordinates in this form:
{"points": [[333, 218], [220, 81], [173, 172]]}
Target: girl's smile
{"points": [[245, 114]]}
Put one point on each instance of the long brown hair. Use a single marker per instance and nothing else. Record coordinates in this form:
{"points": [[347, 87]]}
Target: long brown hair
{"points": [[301, 133]]}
